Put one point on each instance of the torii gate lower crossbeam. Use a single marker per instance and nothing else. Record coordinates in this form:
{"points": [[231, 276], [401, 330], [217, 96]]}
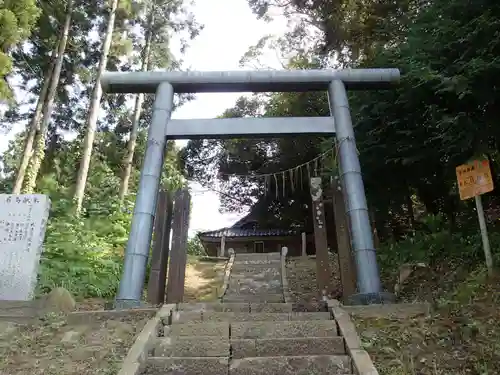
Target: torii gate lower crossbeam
{"points": [[165, 84]]}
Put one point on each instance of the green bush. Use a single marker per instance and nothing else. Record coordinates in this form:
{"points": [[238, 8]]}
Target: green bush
{"points": [[194, 247], [436, 245], [84, 255]]}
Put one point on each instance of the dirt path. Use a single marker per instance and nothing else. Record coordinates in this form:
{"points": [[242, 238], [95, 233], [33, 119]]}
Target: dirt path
{"points": [[203, 280]]}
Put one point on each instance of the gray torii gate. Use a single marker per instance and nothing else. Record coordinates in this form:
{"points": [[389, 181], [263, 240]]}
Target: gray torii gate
{"points": [[166, 83]]}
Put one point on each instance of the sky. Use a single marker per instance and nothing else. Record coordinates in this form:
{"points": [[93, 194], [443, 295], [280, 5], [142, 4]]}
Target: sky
{"points": [[230, 29], [220, 46]]}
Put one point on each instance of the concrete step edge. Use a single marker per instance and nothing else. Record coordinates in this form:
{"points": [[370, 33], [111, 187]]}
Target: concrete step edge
{"points": [[186, 346], [209, 346], [321, 356], [181, 317], [334, 364], [158, 340], [186, 365]]}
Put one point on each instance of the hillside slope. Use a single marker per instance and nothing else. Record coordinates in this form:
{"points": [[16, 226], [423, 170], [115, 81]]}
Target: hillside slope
{"points": [[460, 336]]}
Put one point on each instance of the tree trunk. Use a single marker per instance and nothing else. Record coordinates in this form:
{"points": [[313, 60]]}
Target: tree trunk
{"points": [[39, 152], [33, 128], [129, 157], [95, 103]]}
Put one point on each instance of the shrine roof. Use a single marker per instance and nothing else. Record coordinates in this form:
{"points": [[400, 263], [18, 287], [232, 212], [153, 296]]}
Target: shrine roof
{"points": [[242, 232]]}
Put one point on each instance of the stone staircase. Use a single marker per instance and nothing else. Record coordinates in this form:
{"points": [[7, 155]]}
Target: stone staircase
{"points": [[252, 331], [255, 278]]}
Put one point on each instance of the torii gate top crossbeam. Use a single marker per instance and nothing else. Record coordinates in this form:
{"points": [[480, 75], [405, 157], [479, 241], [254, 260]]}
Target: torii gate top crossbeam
{"points": [[248, 81]]}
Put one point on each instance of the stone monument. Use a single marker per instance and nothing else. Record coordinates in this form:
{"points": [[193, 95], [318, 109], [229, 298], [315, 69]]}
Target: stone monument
{"points": [[23, 219]]}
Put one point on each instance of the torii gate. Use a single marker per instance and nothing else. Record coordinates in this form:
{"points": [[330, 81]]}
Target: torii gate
{"points": [[166, 83]]}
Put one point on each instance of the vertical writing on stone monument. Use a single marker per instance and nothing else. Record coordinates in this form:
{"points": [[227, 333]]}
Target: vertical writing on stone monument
{"points": [[23, 219]]}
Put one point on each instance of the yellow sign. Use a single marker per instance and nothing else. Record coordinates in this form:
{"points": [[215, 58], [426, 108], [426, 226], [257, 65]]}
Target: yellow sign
{"points": [[474, 179]]}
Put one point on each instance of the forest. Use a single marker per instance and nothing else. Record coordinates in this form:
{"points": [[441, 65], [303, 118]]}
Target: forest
{"points": [[84, 148]]}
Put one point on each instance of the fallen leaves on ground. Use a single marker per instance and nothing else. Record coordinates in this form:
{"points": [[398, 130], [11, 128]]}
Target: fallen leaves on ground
{"points": [[52, 347], [301, 276], [461, 337]]}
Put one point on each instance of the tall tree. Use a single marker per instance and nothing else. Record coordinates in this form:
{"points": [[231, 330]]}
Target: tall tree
{"points": [[93, 111], [145, 57], [33, 128], [40, 138]]}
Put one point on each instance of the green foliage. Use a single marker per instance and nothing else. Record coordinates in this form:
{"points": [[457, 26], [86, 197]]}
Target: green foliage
{"points": [[17, 19], [409, 138], [84, 256], [194, 247], [436, 245]]}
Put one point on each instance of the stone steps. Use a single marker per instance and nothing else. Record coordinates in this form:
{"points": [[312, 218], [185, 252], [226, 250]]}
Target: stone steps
{"points": [[253, 332], [199, 346], [296, 365], [259, 271], [256, 266], [254, 257], [286, 346], [235, 307], [282, 329], [217, 329], [265, 298], [186, 366], [243, 289], [210, 346], [271, 262], [270, 307], [252, 286], [290, 365], [212, 316], [255, 329], [214, 306]]}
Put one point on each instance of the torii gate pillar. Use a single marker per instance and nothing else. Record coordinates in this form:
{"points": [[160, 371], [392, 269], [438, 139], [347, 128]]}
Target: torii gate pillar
{"points": [[165, 84]]}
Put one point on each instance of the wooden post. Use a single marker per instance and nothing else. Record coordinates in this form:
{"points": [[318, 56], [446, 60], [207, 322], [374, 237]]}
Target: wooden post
{"points": [[161, 247], [222, 245], [184, 240], [178, 257], [346, 260], [304, 244], [320, 239]]}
